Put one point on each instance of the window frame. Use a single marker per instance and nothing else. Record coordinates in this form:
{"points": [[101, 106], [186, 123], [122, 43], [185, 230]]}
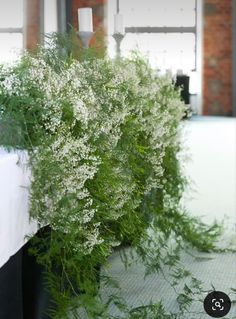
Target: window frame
{"points": [[13, 30], [166, 30], [197, 30]]}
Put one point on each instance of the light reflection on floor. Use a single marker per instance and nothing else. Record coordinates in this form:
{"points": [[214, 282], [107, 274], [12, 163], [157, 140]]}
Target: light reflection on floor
{"points": [[211, 143]]}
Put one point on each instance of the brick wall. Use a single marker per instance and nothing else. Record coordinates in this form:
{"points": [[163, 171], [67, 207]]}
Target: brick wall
{"points": [[33, 24], [217, 53]]}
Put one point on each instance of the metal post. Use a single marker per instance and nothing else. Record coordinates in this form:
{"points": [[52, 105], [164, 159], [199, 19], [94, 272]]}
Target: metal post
{"points": [[117, 6], [61, 16]]}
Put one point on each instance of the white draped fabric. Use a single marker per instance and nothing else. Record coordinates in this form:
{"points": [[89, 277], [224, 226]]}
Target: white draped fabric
{"points": [[15, 226]]}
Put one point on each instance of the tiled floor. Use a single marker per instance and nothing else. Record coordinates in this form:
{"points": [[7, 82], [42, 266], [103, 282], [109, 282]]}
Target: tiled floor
{"points": [[218, 270]]}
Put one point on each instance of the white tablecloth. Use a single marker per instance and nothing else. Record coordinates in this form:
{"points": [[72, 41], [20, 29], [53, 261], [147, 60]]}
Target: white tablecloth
{"points": [[14, 201]]}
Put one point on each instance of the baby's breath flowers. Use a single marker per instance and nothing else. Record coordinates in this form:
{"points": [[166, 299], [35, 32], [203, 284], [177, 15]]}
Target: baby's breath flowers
{"points": [[103, 138]]}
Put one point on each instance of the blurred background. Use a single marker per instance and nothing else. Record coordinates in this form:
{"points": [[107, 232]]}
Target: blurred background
{"points": [[191, 37]]}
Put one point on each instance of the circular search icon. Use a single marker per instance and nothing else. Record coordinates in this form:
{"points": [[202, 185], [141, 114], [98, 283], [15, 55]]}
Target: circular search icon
{"points": [[217, 304]]}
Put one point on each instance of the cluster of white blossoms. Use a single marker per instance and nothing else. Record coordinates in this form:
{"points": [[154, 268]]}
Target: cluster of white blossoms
{"points": [[10, 84], [87, 111]]}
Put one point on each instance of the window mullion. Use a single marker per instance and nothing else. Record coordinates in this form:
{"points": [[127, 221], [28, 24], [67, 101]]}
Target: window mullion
{"points": [[160, 29], [11, 30]]}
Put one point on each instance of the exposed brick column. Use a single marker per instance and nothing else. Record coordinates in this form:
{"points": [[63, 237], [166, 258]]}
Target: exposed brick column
{"points": [[33, 23], [217, 74], [99, 20]]}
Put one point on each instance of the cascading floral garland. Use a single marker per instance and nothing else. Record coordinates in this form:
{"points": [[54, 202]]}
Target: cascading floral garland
{"points": [[104, 140]]}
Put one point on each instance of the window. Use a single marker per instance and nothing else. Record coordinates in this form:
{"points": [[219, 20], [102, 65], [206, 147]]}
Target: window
{"points": [[164, 31], [50, 16], [167, 32], [164, 50], [11, 29]]}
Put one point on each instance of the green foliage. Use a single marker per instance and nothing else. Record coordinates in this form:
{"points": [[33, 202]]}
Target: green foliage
{"points": [[104, 143]]}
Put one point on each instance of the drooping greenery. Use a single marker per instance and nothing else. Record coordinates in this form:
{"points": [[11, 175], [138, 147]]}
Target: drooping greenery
{"points": [[104, 142]]}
